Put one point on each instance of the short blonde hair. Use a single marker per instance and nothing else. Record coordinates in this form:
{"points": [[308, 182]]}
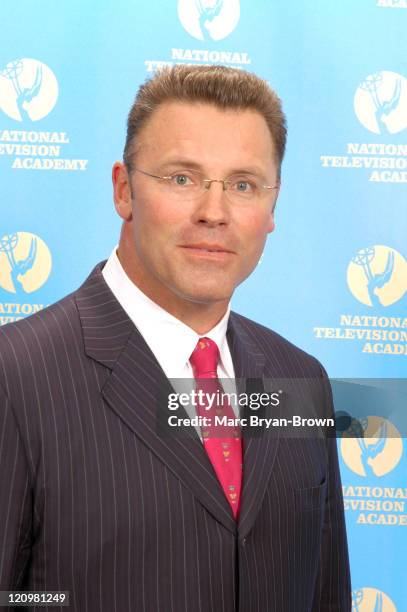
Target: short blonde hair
{"points": [[219, 85]]}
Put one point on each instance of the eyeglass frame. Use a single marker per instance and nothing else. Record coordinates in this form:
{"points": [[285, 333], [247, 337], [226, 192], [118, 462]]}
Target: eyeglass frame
{"points": [[206, 182]]}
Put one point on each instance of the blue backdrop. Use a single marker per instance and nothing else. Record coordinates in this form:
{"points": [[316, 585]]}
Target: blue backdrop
{"points": [[333, 276]]}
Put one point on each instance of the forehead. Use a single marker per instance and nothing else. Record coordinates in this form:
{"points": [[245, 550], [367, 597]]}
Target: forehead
{"points": [[206, 133]]}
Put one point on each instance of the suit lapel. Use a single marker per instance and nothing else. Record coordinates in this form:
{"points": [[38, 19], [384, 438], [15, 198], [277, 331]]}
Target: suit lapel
{"points": [[135, 383], [258, 452]]}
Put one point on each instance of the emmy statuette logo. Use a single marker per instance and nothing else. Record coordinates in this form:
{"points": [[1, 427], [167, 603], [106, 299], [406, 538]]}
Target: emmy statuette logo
{"points": [[28, 90], [371, 600], [25, 262], [380, 102], [209, 19], [376, 451], [377, 276]]}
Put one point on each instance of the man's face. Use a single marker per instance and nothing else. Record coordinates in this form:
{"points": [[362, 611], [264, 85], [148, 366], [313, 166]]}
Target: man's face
{"points": [[196, 249]]}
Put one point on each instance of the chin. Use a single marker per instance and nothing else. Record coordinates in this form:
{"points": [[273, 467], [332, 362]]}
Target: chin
{"points": [[205, 295]]}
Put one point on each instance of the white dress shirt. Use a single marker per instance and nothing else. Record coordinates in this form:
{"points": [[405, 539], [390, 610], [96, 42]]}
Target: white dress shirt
{"points": [[171, 341]]}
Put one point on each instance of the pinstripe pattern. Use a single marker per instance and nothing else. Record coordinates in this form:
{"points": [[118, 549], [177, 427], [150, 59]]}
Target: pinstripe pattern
{"points": [[127, 520]]}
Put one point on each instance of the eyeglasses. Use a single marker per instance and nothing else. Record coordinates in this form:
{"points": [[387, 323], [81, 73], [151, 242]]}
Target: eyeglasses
{"points": [[190, 184]]}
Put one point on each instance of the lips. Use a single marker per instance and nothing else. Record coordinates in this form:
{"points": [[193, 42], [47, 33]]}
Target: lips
{"points": [[210, 248]]}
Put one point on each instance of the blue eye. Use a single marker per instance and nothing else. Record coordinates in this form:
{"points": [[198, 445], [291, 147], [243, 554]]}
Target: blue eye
{"points": [[181, 180], [243, 186]]}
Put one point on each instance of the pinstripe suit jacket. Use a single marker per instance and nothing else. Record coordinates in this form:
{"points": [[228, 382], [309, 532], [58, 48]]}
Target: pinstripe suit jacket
{"points": [[94, 502]]}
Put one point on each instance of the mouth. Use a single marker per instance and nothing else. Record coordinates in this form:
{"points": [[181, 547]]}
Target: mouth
{"points": [[207, 248], [204, 252]]}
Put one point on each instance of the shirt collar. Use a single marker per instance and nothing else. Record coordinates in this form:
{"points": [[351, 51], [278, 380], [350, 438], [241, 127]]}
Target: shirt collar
{"points": [[171, 341]]}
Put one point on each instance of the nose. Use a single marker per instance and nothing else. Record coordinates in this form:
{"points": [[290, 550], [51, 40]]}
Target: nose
{"points": [[212, 206]]}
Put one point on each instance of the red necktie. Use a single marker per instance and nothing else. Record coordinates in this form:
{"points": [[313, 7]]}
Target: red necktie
{"points": [[222, 443]]}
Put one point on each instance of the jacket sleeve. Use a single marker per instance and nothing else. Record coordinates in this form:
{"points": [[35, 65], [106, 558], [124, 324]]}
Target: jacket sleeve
{"points": [[15, 500], [333, 584]]}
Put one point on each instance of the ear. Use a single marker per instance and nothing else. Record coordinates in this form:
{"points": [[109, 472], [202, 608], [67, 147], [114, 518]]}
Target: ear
{"points": [[122, 191], [271, 225]]}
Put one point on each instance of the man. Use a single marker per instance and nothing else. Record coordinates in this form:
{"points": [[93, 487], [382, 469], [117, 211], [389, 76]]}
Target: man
{"points": [[98, 502]]}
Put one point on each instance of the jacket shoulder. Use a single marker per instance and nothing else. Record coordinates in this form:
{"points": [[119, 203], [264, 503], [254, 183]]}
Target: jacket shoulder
{"points": [[27, 343]]}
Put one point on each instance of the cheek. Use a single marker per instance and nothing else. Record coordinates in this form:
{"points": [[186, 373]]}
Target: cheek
{"points": [[154, 220], [254, 229]]}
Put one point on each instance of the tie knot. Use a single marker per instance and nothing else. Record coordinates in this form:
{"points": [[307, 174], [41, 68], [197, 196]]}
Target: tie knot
{"points": [[205, 358]]}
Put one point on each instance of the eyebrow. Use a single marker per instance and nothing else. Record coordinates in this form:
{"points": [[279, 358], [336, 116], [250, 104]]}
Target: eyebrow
{"points": [[188, 163], [181, 162]]}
